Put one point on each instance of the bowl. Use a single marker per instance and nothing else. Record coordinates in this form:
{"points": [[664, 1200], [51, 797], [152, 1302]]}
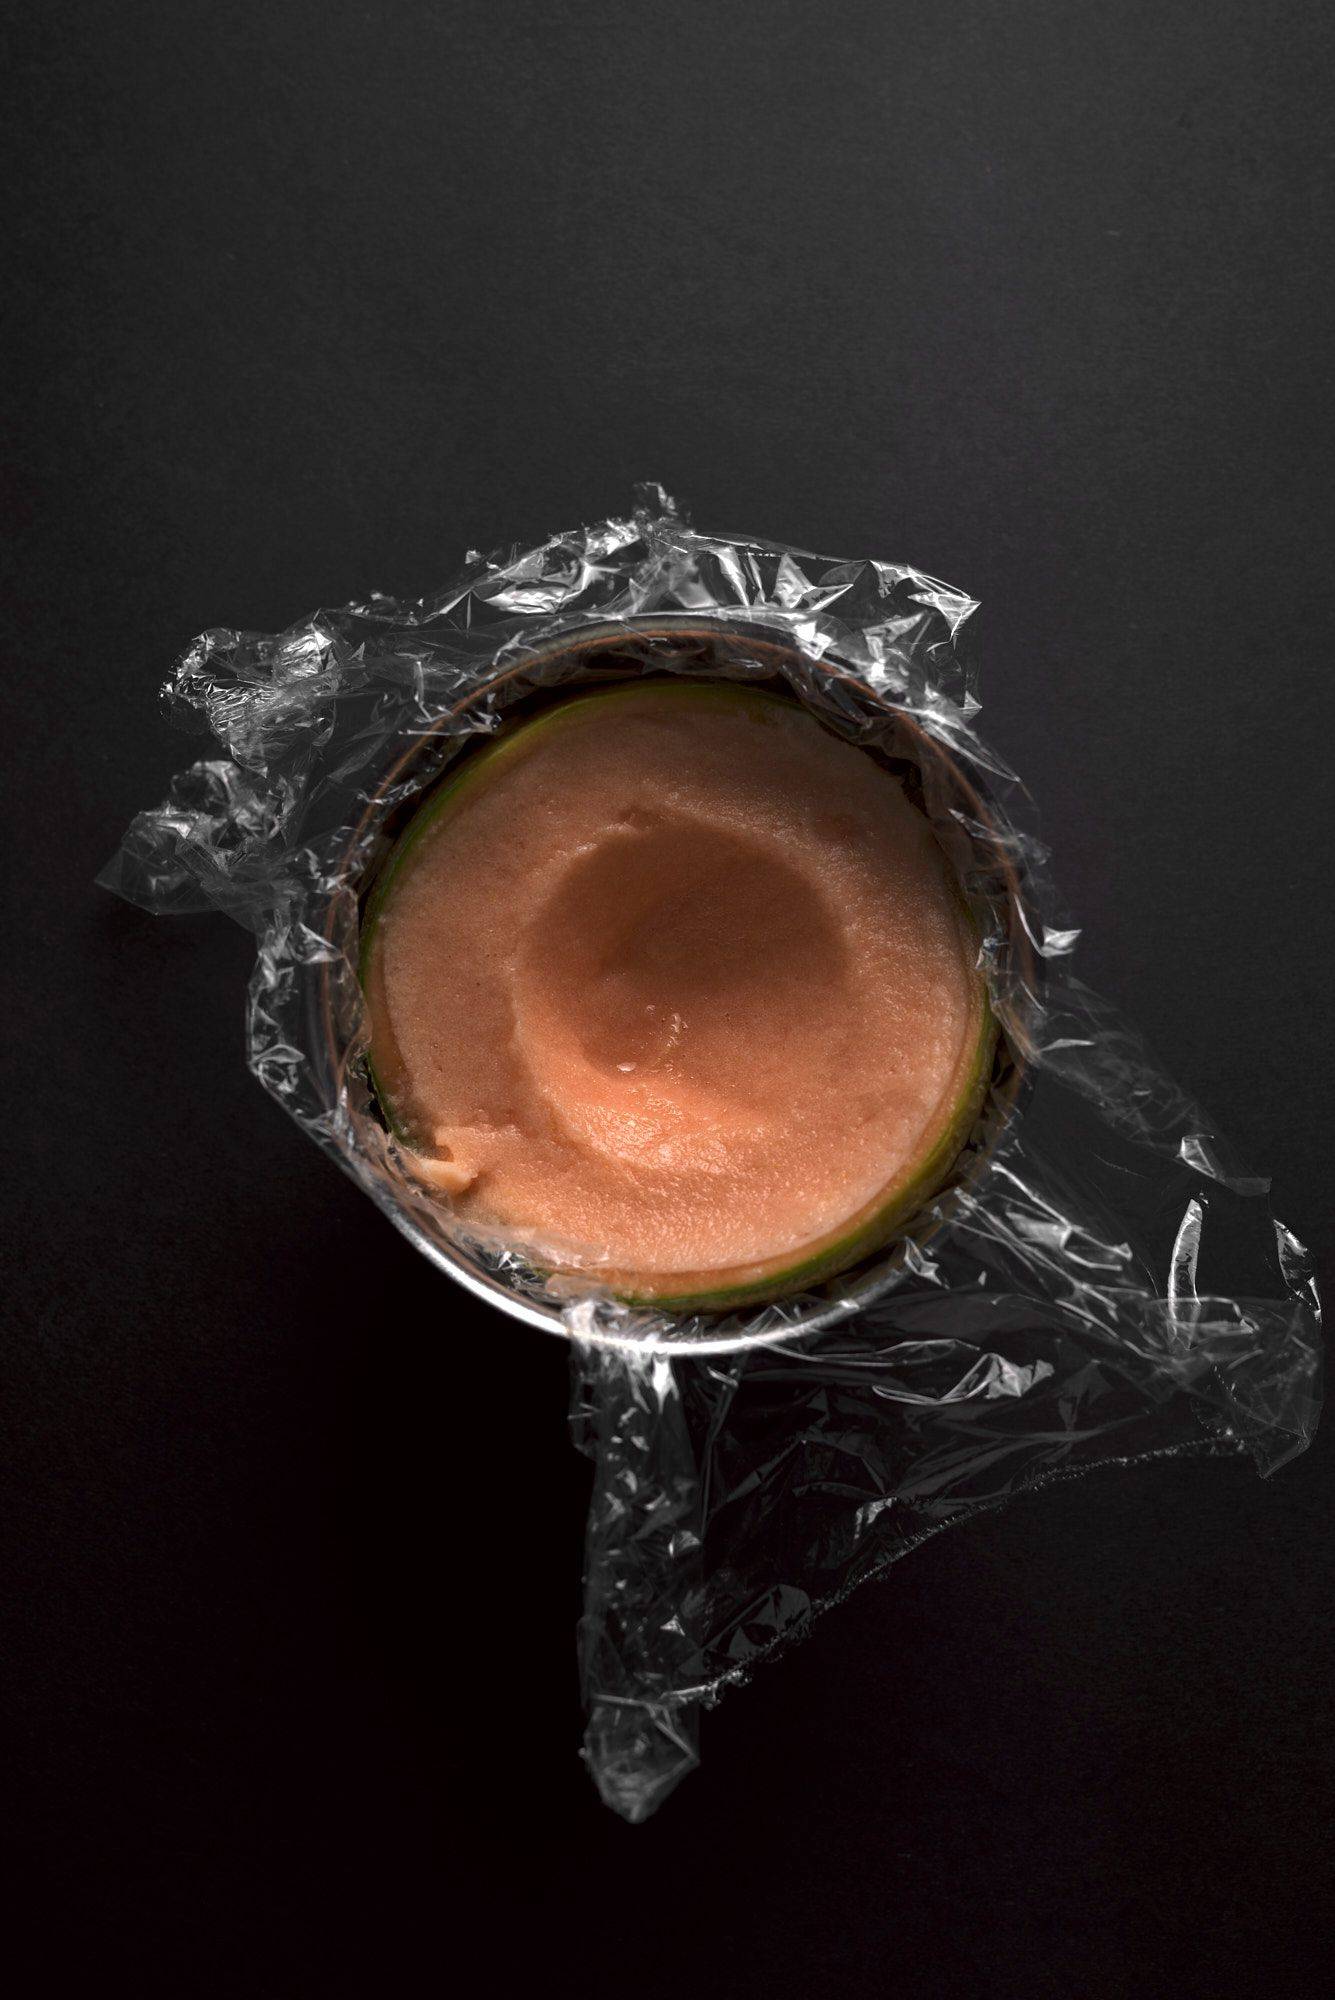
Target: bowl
{"points": [[968, 820]]}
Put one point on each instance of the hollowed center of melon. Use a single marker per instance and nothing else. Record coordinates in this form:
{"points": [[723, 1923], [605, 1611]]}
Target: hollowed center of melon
{"points": [[638, 969]]}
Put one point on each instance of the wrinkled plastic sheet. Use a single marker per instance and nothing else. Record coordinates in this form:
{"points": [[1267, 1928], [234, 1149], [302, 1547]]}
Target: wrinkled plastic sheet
{"points": [[1100, 1281]]}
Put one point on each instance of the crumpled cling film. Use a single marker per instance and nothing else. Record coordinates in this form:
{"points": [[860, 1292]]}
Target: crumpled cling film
{"points": [[1101, 1281]]}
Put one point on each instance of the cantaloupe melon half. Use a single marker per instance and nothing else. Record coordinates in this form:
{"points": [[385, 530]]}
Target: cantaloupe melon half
{"points": [[674, 989]]}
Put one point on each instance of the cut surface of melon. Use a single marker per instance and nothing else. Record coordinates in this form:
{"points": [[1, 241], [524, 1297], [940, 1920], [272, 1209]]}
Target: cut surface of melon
{"points": [[674, 988]]}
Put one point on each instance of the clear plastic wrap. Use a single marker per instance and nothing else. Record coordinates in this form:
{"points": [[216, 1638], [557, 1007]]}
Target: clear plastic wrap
{"points": [[1098, 1281]]}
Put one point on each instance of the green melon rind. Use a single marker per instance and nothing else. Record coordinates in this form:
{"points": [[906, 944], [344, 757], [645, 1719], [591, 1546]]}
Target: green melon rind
{"points": [[903, 1202]]}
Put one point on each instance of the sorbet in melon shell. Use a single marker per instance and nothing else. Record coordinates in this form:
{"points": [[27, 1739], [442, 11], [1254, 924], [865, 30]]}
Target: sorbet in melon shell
{"points": [[674, 988]]}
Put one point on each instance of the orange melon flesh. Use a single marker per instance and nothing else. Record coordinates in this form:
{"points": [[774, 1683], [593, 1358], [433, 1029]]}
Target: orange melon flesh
{"points": [[673, 988]]}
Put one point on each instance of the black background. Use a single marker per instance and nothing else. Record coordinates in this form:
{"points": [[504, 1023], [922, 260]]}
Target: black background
{"points": [[303, 300]]}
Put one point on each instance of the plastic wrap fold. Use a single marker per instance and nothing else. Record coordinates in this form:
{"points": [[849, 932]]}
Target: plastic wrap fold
{"points": [[1099, 1281]]}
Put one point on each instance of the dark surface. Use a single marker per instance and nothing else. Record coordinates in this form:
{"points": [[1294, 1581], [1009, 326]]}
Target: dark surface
{"points": [[305, 299]]}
